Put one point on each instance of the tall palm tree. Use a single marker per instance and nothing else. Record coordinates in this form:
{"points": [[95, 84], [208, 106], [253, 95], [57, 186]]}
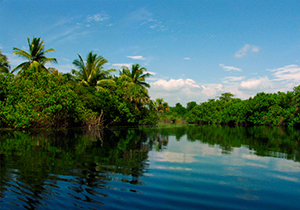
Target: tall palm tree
{"points": [[4, 64], [91, 73], [136, 76], [135, 80], [36, 55]]}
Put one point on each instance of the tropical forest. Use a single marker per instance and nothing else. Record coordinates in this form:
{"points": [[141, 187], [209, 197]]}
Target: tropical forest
{"points": [[35, 96]]}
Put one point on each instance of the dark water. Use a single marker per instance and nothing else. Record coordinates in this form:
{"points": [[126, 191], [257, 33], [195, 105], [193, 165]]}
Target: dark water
{"points": [[167, 167]]}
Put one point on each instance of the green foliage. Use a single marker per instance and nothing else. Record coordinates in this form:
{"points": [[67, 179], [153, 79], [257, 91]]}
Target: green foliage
{"points": [[179, 109], [175, 114], [40, 100], [40, 97], [91, 73], [190, 105], [263, 109], [36, 56], [225, 96], [135, 76], [4, 64]]}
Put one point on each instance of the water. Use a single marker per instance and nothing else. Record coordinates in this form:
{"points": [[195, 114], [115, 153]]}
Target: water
{"points": [[166, 167]]}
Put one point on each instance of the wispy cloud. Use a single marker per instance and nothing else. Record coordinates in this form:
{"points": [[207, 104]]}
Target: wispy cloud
{"points": [[139, 15], [99, 17], [288, 73], [230, 68], [245, 49], [68, 31], [142, 17], [120, 65], [137, 57], [62, 22], [73, 36], [187, 58], [232, 79], [157, 25]]}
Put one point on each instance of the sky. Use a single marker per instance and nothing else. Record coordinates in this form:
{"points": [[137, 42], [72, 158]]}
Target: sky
{"points": [[195, 50]]}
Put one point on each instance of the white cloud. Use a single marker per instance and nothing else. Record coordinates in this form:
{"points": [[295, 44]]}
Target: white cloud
{"points": [[210, 90], [187, 58], [255, 49], [137, 57], [232, 79], [99, 17], [122, 64], [183, 90], [191, 83], [290, 73], [173, 85], [256, 84], [245, 49], [230, 68]]}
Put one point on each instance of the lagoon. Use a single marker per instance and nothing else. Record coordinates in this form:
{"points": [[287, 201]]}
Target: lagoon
{"points": [[158, 167]]}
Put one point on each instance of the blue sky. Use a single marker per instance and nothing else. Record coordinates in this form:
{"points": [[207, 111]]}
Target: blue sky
{"points": [[195, 50]]}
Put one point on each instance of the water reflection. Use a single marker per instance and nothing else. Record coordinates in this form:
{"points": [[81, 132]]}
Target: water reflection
{"points": [[91, 168]]}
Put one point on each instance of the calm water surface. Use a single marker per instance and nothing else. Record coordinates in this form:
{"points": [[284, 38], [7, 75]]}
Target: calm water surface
{"points": [[166, 167]]}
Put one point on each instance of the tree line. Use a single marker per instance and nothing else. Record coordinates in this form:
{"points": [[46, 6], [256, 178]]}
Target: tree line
{"points": [[34, 96], [272, 109]]}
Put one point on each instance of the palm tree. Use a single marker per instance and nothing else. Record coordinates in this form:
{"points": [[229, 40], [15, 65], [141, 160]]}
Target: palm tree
{"points": [[134, 80], [162, 106], [91, 73], [135, 77], [4, 64], [36, 56]]}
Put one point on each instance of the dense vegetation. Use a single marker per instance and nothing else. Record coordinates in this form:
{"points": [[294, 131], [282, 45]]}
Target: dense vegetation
{"points": [[274, 109], [33, 96], [37, 96]]}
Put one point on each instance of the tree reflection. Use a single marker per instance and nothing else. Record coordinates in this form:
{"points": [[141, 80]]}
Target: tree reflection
{"points": [[33, 163], [94, 157]]}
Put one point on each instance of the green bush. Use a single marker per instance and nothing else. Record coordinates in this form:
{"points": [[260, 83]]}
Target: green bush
{"points": [[41, 99]]}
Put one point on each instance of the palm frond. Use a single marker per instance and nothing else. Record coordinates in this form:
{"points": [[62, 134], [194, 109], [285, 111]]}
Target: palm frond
{"points": [[21, 53]]}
